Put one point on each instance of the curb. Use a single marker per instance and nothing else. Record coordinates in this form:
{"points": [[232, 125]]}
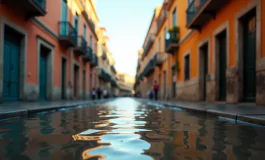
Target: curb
{"points": [[236, 117], [26, 112]]}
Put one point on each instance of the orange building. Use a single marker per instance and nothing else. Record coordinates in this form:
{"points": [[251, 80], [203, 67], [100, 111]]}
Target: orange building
{"points": [[215, 50], [48, 49]]}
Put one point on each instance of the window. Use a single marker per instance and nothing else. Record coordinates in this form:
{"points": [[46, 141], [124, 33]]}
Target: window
{"points": [[95, 49], [174, 18], [187, 67], [91, 41], [84, 31], [76, 23]]}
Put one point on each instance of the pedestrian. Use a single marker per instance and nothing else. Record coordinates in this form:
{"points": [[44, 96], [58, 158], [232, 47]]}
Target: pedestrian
{"points": [[105, 94], [151, 95], [99, 93], [94, 94], [156, 88]]}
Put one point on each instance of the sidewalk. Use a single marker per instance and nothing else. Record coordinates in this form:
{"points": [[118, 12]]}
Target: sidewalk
{"points": [[248, 112], [19, 108]]}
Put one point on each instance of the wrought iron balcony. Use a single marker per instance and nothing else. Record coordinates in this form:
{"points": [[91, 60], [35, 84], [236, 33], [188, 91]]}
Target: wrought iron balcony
{"points": [[94, 61], [81, 47], [103, 75], [89, 55], [68, 35], [104, 55], [172, 44], [199, 12], [149, 68], [148, 45], [90, 22], [159, 58], [114, 83], [31, 8]]}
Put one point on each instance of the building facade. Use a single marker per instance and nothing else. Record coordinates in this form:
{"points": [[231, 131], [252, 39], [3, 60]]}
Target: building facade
{"points": [[215, 50], [125, 83], [48, 49]]}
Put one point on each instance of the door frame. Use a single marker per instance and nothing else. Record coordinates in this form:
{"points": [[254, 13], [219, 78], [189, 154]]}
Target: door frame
{"points": [[253, 4], [200, 70], [50, 68], [23, 56], [84, 80], [65, 76], [216, 52], [77, 79]]}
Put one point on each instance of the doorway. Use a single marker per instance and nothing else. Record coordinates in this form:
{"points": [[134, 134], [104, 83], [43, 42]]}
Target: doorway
{"points": [[84, 84], [11, 62], [63, 78], [203, 70], [249, 56], [76, 78], [43, 65], [222, 64]]}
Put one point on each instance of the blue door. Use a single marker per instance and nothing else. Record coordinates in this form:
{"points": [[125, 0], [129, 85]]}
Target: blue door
{"points": [[64, 18], [43, 76], [11, 68]]}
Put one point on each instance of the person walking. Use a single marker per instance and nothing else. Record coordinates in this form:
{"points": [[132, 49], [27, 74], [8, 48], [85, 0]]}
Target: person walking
{"points": [[105, 94], [156, 88], [99, 93], [94, 94]]}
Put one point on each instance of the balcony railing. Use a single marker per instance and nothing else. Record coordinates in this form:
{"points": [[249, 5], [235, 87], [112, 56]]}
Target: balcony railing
{"points": [[159, 58], [149, 68], [89, 55], [103, 75], [104, 54], [172, 44], [81, 46], [68, 35], [148, 45], [31, 8], [199, 12], [90, 22], [94, 61]]}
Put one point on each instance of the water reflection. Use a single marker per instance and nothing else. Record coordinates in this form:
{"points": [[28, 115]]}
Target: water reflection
{"points": [[127, 129]]}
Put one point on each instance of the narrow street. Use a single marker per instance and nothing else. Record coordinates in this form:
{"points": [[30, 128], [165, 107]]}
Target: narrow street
{"points": [[127, 128]]}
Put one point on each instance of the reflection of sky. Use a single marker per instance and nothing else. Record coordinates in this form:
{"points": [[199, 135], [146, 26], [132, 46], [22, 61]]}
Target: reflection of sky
{"points": [[121, 138]]}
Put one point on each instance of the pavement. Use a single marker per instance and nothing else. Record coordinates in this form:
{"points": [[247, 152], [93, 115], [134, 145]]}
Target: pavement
{"points": [[247, 112], [20, 108]]}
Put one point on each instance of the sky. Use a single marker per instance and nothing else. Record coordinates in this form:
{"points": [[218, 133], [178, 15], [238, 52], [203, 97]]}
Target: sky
{"points": [[126, 23]]}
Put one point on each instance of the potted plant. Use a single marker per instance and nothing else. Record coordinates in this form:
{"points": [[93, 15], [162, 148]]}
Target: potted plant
{"points": [[174, 34]]}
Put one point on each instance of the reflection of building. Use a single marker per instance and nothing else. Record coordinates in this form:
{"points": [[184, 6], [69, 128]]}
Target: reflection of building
{"points": [[125, 82], [210, 50]]}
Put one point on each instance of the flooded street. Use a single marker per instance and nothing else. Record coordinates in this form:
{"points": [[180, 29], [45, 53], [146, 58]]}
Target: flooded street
{"points": [[126, 129]]}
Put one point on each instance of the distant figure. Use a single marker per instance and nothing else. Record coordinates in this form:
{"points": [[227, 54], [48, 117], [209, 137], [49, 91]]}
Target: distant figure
{"points": [[150, 95], [99, 93], [105, 94], [156, 88], [94, 94]]}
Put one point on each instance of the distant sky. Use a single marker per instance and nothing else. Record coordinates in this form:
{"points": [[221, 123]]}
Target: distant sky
{"points": [[126, 23]]}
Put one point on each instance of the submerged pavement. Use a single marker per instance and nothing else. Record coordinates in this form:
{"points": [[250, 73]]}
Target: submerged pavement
{"points": [[20, 108], [248, 112]]}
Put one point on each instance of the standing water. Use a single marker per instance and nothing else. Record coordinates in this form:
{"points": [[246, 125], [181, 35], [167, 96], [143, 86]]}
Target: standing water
{"points": [[126, 129]]}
